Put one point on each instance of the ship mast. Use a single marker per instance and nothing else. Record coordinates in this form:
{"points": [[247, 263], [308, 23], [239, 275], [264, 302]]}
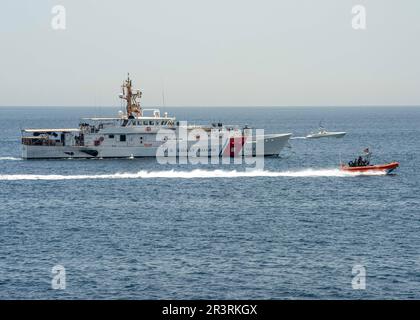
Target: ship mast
{"points": [[131, 96]]}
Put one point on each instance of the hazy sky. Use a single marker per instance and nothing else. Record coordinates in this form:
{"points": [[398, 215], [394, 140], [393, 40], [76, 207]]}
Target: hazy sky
{"points": [[210, 53]]}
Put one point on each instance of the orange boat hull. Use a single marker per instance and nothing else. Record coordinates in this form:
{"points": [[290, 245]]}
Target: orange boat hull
{"points": [[388, 168]]}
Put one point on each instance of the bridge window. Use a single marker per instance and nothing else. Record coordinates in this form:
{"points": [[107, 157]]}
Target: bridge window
{"points": [[123, 138], [111, 136]]}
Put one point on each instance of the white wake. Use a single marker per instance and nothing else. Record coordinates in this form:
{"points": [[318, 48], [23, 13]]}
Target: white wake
{"points": [[194, 174], [9, 159]]}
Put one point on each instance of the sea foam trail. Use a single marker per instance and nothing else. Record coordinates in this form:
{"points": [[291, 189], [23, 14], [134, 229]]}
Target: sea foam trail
{"points": [[194, 174], [9, 159]]}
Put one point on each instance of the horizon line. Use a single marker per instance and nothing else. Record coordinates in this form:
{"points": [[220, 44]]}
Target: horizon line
{"points": [[219, 106]]}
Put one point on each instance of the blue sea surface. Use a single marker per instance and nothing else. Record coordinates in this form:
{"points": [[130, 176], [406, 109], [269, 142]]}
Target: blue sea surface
{"points": [[295, 235]]}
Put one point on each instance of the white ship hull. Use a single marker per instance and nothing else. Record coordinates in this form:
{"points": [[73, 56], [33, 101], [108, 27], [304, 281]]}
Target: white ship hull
{"points": [[273, 144], [326, 135]]}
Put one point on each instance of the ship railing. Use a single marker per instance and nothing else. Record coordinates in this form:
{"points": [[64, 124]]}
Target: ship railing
{"points": [[40, 141]]}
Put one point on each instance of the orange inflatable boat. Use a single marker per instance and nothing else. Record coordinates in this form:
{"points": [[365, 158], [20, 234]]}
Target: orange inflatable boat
{"points": [[388, 168]]}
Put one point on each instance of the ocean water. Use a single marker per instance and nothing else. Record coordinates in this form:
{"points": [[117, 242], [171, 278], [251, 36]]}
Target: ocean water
{"points": [[135, 229]]}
